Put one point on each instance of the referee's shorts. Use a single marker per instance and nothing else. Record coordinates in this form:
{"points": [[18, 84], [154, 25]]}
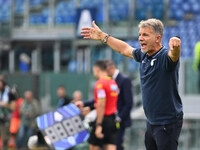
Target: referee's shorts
{"points": [[109, 131]]}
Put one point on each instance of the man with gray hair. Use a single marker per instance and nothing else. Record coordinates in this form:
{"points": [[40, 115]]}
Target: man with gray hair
{"points": [[159, 80]]}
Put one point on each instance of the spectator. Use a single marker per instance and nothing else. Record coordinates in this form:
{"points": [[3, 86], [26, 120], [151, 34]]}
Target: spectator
{"points": [[77, 96], [24, 63], [15, 118], [29, 110], [196, 64], [62, 94], [6, 105]]}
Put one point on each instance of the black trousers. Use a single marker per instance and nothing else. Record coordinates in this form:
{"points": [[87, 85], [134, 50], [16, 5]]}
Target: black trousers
{"points": [[109, 131], [163, 137], [120, 137]]}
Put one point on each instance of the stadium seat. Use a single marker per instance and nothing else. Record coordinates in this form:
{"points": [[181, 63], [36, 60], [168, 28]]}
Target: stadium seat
{"points": [[41, 18], [36, 3], [72, 67], [97, 5], [4, 7], [146, 8], [185, 6], [195, 6], [19, 6], [118, 12], [65, 12]]}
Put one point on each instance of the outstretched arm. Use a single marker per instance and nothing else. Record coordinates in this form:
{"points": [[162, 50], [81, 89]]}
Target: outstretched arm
{"points": [[119, 46], [175, 48]]}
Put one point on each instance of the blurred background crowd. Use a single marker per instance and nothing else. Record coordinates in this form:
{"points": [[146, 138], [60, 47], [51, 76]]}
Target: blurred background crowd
{"points": [[41, 51], [18, 114]]}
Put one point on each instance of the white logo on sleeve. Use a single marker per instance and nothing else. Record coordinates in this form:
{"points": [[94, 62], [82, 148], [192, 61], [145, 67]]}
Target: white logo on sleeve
{"points": [[101, 94], [152, 62]]}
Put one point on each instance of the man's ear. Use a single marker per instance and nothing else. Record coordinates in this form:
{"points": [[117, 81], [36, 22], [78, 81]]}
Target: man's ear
{"points": [[158, 38]]}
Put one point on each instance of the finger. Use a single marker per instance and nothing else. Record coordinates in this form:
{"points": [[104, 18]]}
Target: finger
{"points": [[174, 43], [170, 45], [177, 43], [84, 31], [86, 28], [94, 25], [86, 37]]}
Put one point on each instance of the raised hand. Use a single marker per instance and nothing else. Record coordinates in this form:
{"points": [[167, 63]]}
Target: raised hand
{"points": [[175, 48], [94, 33], [79, 104], [174, 43]]}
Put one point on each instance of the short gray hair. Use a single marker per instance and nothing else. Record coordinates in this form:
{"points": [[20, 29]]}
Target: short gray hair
{"points": [[155, 24]]}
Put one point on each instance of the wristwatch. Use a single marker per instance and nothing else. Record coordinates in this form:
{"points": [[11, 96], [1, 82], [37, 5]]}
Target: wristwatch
{"points": [[106, 39]]}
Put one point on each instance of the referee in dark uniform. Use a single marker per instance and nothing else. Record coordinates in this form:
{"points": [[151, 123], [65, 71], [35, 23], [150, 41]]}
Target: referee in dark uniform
{"points": [[159, 68]]}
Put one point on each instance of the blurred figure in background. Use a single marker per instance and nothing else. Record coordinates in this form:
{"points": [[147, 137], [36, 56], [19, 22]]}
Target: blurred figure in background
{"points": [[63, 98], [124, 103], [196, 64], [29, 110], [104, 131], [7, 104], [77, 96], [15, 117], [24, 63]]}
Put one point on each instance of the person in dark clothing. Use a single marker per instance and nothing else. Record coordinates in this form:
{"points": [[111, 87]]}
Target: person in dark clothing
{"points": [[124, 103], [7, 104], [125, 100], [159, 69], [63, 98]]}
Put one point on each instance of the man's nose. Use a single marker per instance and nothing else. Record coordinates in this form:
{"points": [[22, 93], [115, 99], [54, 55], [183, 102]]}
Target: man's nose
{"points": [[141, 38]]}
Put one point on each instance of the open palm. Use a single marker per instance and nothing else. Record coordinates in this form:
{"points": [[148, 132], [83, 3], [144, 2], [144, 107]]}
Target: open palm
{"points": [[91, 32]]}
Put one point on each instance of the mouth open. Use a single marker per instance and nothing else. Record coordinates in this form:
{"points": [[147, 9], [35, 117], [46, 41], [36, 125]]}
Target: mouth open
{"points": [[143, 45]]}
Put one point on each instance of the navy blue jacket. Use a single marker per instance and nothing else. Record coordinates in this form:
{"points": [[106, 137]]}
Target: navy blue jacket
{"points": [[125, 99]]}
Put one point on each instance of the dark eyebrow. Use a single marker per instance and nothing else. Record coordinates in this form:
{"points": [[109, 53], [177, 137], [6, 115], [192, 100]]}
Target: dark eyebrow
{"points": [[143, 34]]}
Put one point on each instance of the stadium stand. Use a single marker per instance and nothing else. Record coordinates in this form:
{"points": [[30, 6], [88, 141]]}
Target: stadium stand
{"points": [[19, 6], [97, 5], [65, 12], [184, 7], [118, 12], [4, 7], [41, 18], [36, 3], [53, 62], [145, 9]]}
